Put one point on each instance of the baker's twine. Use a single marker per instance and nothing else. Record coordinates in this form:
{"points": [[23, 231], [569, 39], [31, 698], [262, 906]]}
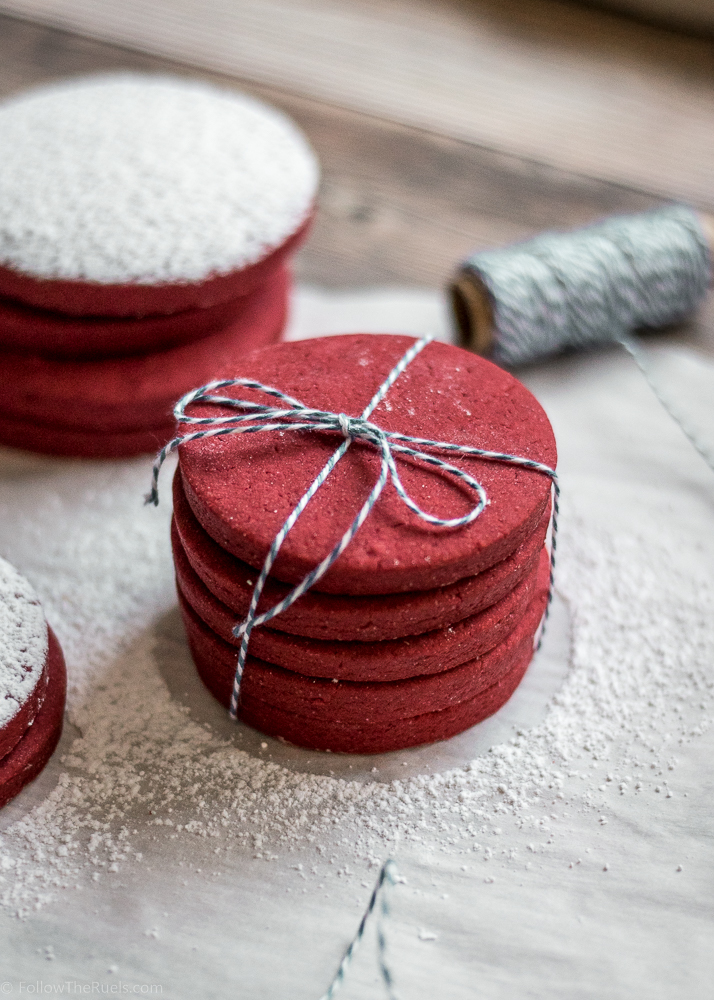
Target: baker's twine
{"points": [[295, 416], [598, 285], [594, 285], [388, 877], [630, 345]]}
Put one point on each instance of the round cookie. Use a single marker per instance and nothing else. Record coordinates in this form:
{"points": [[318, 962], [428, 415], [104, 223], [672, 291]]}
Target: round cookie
{"points": [[362, 619], [356, 702], [365, 718], [31, 753], [391, 659], [54, 440], [137, 392], [158, 194], [23, 657], [242, 487], [383, 737], [39, 331]]}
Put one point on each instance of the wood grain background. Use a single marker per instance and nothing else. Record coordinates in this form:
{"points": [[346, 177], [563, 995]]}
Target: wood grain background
{"points": [[442, 126], [576, 88]]}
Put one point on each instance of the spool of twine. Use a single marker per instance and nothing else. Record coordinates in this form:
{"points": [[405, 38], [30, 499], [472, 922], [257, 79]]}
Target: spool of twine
{"points": [[589, 287], [559, 291]]}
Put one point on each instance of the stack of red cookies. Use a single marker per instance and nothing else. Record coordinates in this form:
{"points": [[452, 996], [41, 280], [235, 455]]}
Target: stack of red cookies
{"points": [[33, 683], [146, 224], [417, 631]]}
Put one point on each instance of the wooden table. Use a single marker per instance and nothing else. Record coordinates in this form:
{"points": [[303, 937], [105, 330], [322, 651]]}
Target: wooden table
{"points": [[402, 204]]}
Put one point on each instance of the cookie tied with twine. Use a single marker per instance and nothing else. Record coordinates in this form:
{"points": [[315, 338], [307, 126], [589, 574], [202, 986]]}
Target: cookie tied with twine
{"points": [[444, 471], [343, 617]]}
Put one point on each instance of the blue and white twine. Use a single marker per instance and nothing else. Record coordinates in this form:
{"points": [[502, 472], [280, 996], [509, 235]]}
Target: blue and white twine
{"points": [[690, 432], [295, 416], [594, 285], [388, 877]]}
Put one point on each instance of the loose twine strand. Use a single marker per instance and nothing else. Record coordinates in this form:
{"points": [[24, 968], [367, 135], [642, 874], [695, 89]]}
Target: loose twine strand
{"points": [[388, 877], [295, 416], [690, 432]]}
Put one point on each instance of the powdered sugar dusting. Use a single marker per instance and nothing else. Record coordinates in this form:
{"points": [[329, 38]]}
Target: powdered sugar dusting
{"points": [[147, 179], [23, 642], [637, 689]]}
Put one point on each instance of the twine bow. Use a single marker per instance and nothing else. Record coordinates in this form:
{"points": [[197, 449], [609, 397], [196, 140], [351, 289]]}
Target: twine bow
{"points": [[295, 416]]}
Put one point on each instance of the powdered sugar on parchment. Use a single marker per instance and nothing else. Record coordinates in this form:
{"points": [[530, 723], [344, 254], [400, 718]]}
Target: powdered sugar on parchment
{"points": [[148, 179], [638, 688], [23, 642]]}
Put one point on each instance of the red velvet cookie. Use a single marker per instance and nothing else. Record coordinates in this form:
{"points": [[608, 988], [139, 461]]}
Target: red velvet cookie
{"points": [[355, 702], [360, 717], [137, 301], [362, 619], [138, 392], [390, 659], [23, 657], [54, 440], [383, 737], [29, 756], [242, 487], [52, 334], [136, 195]]}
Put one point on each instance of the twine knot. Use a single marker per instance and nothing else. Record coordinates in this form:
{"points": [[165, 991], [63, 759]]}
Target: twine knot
{"points": [[292, 415], [355, 428]]}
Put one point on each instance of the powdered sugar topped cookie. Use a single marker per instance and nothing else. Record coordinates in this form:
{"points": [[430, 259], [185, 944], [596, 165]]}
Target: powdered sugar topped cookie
{"points": [[147, 179], [23, 647]]}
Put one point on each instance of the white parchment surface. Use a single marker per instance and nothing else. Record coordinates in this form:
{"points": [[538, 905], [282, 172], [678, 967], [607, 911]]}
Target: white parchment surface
{"points": [[592, 888]]}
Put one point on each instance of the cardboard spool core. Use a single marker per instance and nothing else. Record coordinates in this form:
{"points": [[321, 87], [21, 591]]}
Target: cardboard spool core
{"points": [[473, 312], [473, 307]]}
